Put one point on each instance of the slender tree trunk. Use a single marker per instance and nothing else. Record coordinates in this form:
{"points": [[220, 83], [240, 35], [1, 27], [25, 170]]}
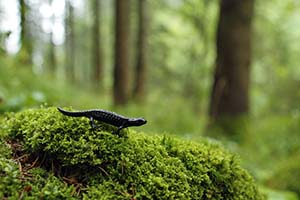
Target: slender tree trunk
{"points": [[51, 51], [230, 91], [121, 68], [70, 42], [97, 55], [22, 7], [25, 40], [52, 59], [141, 66]]}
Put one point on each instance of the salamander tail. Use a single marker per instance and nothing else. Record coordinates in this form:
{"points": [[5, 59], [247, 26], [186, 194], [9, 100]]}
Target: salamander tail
{"points": [[72, 114]]}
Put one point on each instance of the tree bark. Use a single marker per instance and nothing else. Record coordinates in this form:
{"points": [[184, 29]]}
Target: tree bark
{"points": [[141, 66], [121, 68], [97, 55], [70, 42], [25, 40], [230, 91], [22, 7], [51, 56], [51, 50]]}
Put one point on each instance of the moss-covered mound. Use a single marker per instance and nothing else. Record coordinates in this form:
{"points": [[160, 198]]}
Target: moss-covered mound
{"points": [[100, 165]]}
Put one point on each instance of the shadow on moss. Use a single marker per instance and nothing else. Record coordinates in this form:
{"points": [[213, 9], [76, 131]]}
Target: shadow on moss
{"points": [[101, 165]]}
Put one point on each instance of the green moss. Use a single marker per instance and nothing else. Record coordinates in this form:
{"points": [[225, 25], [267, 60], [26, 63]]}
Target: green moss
{"points": [[132, 166], [10, 184], [34, 184]]}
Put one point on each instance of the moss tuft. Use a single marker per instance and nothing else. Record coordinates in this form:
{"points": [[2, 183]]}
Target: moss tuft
{"points": [[32, 184], [135, 166]]}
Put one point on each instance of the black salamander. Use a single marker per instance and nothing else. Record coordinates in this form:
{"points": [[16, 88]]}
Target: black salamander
{"points": [[107, 117]]}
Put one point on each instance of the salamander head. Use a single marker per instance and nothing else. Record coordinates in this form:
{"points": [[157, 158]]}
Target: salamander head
{"points": [[137, 121]]}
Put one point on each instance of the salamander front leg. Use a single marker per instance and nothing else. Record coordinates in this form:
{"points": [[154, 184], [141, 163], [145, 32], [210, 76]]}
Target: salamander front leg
{"points": [[117, 132], [93, 125]]}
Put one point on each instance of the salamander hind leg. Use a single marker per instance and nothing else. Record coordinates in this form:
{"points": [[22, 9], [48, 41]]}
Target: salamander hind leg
{"points": [[117, 132]]}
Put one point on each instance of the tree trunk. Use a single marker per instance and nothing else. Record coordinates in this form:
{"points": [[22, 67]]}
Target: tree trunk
{"points": [[70, 42], [230, 92], [51, 51], [97, 57], [140, 70], [52, 58], [121, 68], [25, 40]]}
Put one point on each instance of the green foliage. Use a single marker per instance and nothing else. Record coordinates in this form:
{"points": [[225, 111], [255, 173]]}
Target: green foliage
{"points": [[183, 122], [279, 195], [275, 65], [273, 140], [131, 166], [287, 175], [20, 88], [181, 43]]}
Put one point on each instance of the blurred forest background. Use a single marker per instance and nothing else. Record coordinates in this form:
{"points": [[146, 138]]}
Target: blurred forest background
{"points": [[227, 70]]}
